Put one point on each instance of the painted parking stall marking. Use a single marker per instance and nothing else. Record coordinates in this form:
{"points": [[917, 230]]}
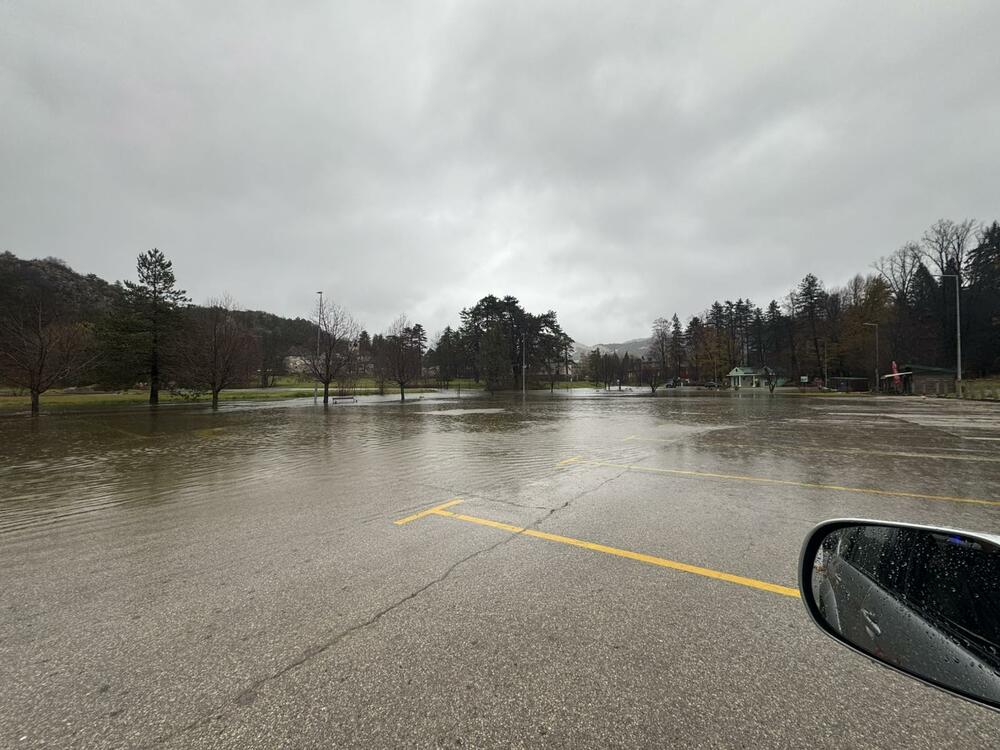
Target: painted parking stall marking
{"points": [[993, 458], [429, 511], [577, 461], [440, 511]]}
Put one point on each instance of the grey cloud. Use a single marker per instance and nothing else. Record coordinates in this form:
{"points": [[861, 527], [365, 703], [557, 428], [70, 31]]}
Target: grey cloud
{"points": [[615, 163]]}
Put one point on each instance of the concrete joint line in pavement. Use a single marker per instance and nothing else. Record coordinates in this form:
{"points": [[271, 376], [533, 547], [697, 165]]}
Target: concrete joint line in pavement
{"points": [[615, 551], [576, 460], [249, 693]]}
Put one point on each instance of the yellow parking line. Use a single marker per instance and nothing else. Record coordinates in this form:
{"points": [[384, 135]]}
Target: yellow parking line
{"points": [[570, 460], [638, 556], [787, 482], [421, 514], [845, 451]]}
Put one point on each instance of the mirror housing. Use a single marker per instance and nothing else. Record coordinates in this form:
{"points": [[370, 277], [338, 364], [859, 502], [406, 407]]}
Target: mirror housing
{"points": [[921, 600]]}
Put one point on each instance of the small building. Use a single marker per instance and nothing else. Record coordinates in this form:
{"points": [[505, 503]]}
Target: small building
{"points": [[746, 377], [921, 380], [296, 365]]}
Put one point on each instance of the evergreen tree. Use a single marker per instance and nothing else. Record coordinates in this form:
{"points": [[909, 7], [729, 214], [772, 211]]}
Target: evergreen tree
{"points": [[694, 341], [812, 298], [676, 345], [151, 308]]}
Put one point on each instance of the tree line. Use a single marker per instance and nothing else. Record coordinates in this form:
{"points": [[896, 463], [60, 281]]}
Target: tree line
{"points": [[58, 328], [909, 298]]}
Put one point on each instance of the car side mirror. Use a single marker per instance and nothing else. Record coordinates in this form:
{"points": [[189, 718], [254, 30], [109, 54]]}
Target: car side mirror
{"points": [[923, 601]]}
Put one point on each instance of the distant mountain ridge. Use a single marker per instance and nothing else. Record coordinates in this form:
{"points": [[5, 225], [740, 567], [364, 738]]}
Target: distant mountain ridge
{"points": [[632, 347]]}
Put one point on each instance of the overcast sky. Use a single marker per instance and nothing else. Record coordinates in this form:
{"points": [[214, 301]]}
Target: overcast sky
{"points": [[614, 162]]}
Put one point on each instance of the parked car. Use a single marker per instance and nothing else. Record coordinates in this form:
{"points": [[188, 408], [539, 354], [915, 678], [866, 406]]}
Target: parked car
{"points": [[709, 384]]}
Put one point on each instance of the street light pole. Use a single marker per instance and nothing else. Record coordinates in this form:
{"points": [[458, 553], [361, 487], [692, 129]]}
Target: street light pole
{"points": [[958, 333], [566, 352], [524, 367], [826, 371], [319, 323], [877, 383]]}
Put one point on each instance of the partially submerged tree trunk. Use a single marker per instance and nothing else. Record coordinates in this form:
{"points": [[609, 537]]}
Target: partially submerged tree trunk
{"points": [[38, 352], [402, 392], [337, 332], [154, 374], [217, 351], [156, 301]]}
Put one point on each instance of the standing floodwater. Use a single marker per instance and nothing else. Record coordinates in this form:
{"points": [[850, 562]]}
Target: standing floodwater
{"points": [[201, 578]]}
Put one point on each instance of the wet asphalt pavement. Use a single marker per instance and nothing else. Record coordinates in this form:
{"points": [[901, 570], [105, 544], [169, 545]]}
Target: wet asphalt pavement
{"points": [[184, 579]]}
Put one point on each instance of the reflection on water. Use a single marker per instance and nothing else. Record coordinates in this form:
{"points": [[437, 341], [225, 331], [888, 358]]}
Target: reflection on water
{"points": [[61, 468], [65, 468], [458, 412]]}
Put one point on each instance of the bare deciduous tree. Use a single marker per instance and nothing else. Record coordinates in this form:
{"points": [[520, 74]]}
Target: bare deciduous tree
{"points": [[899, 269], [936, 244], [337, 335], [402, 352], [217, 351], [946, 244], [960, 236], [38, 351], [659, 350], [854, 291]]}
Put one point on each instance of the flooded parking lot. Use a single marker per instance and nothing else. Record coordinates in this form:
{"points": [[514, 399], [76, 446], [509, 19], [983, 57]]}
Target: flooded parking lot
{"points": [[571, 569]]}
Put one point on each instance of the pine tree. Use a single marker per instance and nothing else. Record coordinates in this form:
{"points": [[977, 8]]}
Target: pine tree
{"points": [[812, 297], [153, 303], [676, 344]]}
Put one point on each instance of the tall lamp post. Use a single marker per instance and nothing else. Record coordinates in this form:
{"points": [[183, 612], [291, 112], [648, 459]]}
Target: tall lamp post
{"points": [[878, 385], [319, 323], [826, 371], [524, 367], [958, 332]]}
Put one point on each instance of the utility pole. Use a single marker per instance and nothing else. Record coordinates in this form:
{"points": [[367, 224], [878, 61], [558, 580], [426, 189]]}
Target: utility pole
{"points": [[826, 370], [566, 353], [958, 333], [524, 367], [877, 383], [319, 324]]}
